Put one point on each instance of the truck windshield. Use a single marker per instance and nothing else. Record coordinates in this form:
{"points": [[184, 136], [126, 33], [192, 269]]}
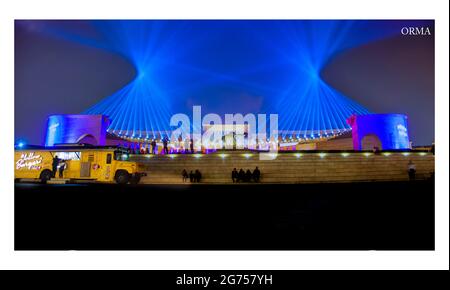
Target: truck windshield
{"points": [[121, 156]]}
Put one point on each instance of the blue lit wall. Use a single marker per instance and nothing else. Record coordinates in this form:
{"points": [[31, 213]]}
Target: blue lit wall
{"points": [[228, 67], [391, 130], [72, 128]]}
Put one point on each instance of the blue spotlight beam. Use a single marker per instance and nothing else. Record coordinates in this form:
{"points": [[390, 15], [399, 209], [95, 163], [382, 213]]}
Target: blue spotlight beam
{"points": [[315, 43], [281, 61]]}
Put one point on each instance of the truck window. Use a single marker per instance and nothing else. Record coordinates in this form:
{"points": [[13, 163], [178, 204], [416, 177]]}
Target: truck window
{"points": [[121, 156], [108, 158], [68, 155]]}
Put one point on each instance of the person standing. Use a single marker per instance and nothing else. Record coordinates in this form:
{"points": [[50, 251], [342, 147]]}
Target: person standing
{"points": [[241, 175], [198, 175], [234, 175], [153, 146], [62, 166], [256, 174], [186, 145], [191, 145], [185, 175], [248, 176], [55, 164], [411, 170], [166, 150]]}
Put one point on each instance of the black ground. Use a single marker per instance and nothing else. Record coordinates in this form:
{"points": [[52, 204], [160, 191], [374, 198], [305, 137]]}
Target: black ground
{"points": [[357, 216]]}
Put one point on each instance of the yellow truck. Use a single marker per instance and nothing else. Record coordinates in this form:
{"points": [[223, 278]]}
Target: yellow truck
{"points": [[78, 162]]}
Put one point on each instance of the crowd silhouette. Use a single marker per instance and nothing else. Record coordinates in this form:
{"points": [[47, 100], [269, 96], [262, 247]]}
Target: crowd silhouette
{"points": [[245, 176], [193, 176], [236, 176]]}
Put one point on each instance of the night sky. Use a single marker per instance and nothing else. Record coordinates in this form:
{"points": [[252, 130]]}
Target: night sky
{"points": [[66, 67]]}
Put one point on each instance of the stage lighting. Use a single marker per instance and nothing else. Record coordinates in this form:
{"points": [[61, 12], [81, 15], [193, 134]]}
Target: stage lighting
{"points": [[170, 66]]}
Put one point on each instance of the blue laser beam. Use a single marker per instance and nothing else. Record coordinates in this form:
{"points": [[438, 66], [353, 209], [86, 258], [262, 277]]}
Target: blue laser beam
{"points": [[191, 62]]}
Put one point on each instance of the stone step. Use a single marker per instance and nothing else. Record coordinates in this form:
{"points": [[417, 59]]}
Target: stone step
{"points": [[58, 181], [287, 168]]}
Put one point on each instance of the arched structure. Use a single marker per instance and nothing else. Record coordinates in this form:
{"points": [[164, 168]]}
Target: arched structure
{"points": [[371, 141], [87, 139]]}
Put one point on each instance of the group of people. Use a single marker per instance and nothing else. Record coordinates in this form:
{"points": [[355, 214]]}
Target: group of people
{"points": [[153, 148], [193, 176], [58, 165], [147, 150], [245, 176], [236, 176]]}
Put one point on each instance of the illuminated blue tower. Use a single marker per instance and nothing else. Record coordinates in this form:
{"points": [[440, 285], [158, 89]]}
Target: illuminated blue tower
{"points": [[384, 131]]}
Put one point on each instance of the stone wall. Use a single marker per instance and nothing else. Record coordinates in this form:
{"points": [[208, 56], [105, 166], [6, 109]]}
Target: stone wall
{"points": [[307, 167]]}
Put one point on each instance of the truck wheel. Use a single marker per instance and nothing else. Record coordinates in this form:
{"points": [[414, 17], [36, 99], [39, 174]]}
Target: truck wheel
{"points": [[135, 179], [122, 177], [45, 176]]}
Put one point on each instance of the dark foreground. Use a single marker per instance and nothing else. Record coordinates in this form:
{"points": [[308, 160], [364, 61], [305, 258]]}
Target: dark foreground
{"points": [[358, 216]]}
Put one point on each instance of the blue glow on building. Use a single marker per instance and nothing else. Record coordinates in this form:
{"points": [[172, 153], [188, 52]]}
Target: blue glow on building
{"points": [[390, 131], [54, 132], [76, 128], [228, 67]]}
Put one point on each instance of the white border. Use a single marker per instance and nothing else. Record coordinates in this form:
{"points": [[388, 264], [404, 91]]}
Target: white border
{"points": [[223, 9]]}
